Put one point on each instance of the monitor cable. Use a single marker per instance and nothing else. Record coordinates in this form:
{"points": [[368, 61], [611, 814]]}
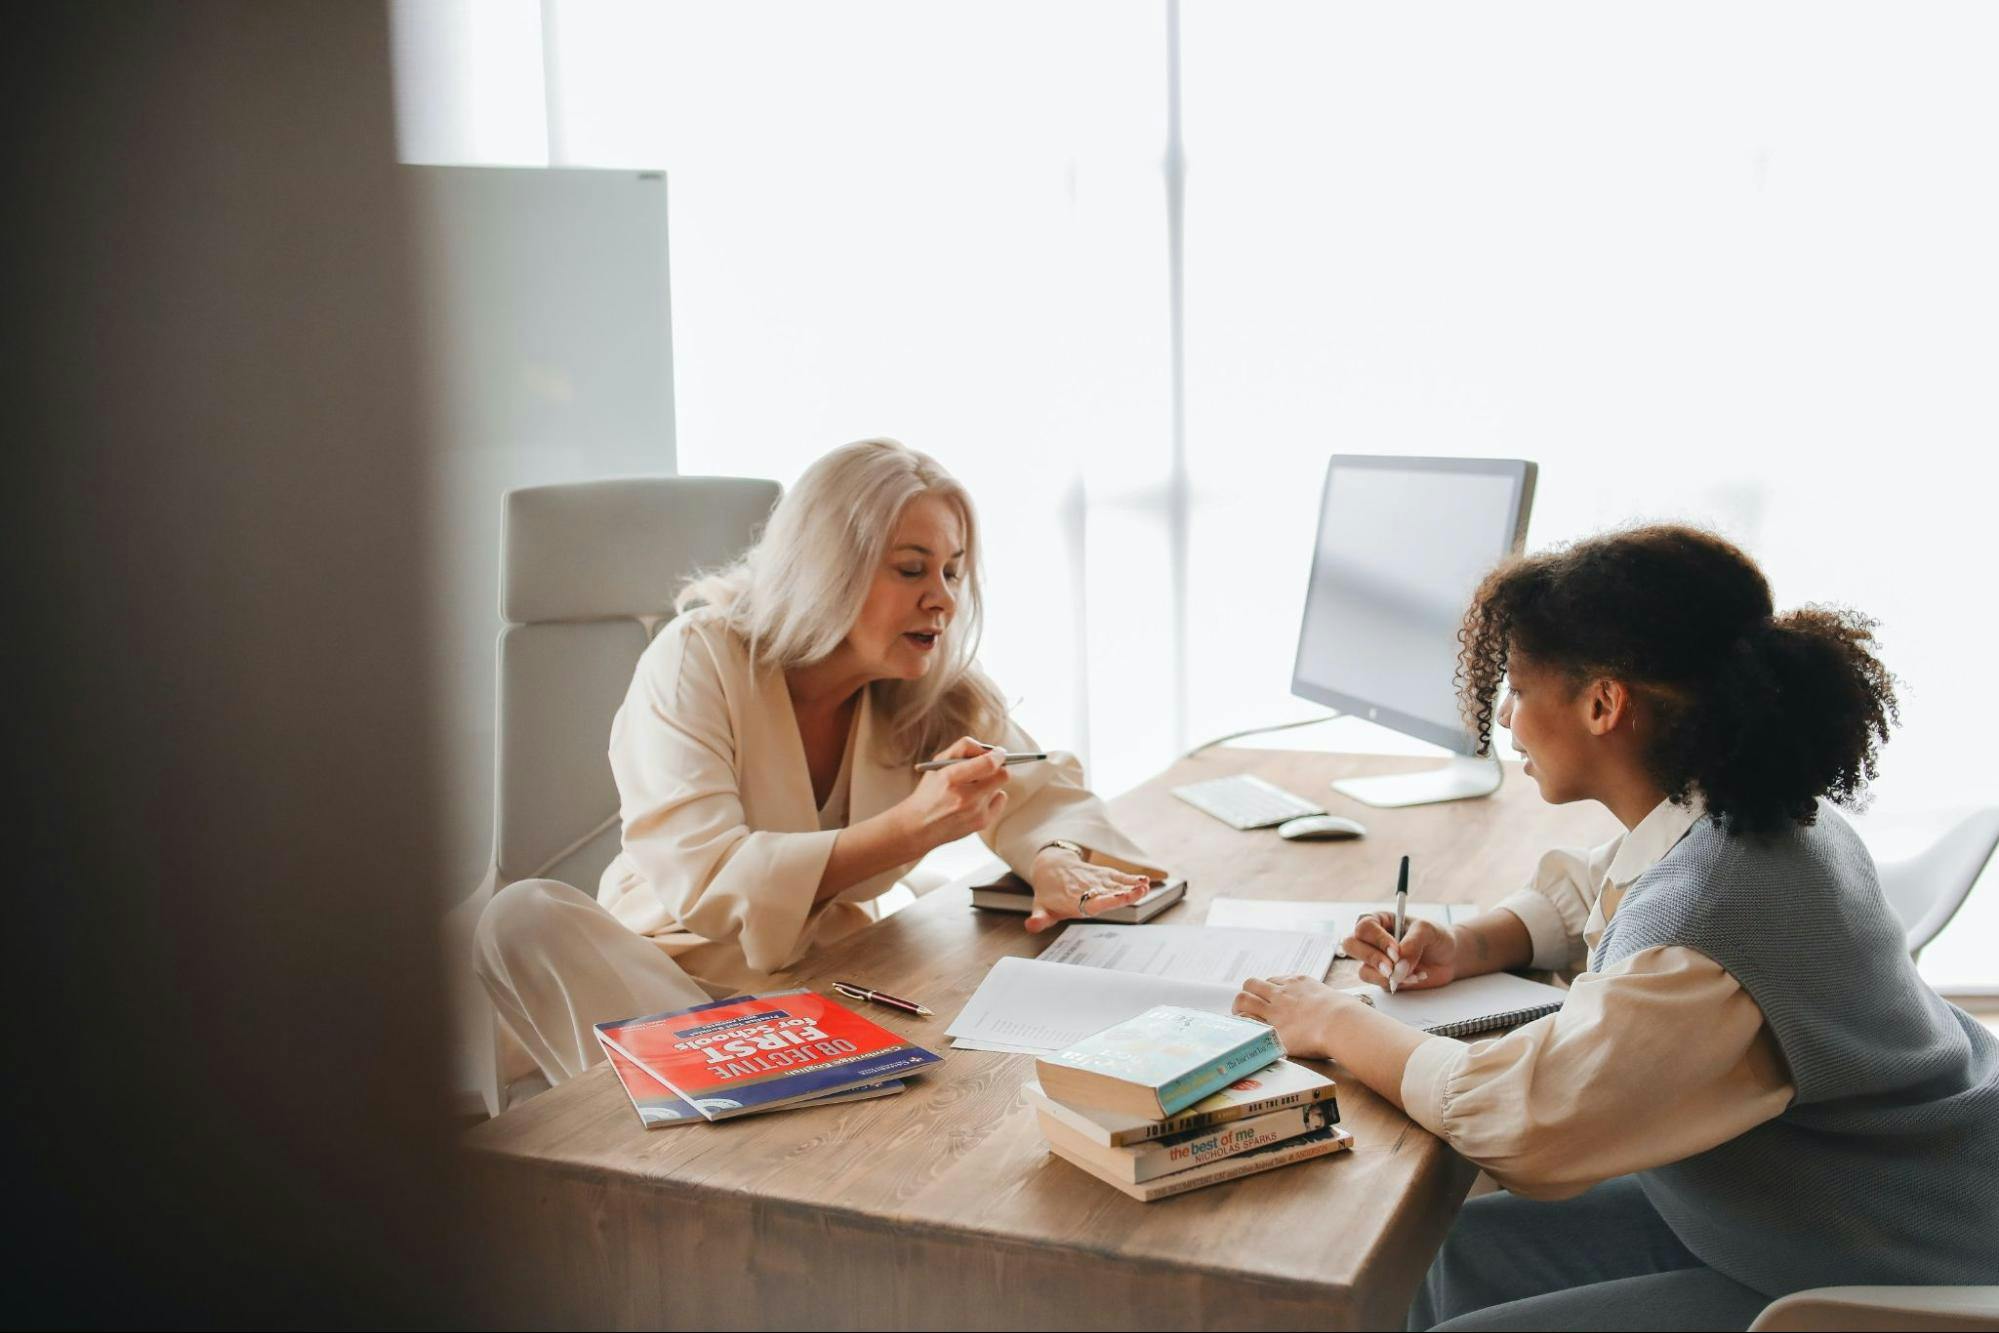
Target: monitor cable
{"points": [[1258, 731]]}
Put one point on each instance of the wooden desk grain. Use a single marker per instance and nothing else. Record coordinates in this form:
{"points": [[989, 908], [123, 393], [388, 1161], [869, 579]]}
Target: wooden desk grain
{"points": [[941, 1207]]}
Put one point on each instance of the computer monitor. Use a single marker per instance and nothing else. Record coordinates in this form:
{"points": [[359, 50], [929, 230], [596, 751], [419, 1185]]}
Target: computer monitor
{"points": [[1402, 545]]}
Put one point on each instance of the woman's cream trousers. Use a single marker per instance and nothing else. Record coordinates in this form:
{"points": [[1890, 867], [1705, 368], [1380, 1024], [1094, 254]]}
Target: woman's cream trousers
{"points": [[556, 964]]}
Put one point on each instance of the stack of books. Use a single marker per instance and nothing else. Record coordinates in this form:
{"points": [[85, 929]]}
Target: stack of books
{"points": [[1176, 1098], [755, 1053]]}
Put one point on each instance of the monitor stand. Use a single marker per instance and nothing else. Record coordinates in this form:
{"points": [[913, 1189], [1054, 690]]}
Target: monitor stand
{"points": [[1465, 776]]}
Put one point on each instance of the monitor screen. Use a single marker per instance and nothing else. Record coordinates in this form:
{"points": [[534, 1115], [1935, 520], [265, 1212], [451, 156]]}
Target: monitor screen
{"points": [[1402, 545]]}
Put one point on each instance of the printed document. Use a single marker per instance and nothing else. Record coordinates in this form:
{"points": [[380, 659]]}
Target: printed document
{"points": [[1193, 953], [1332, 919], [1037, 1007]]}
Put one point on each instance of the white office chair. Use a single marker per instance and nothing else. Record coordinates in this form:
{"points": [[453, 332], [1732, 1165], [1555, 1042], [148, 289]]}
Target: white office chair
{"points": [[587, 574], [1927, 889], [1889, 1308]]}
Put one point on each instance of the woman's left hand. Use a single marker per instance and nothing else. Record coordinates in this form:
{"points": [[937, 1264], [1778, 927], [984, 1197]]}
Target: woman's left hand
{"points": [[1067, 886], [1302, 1010]]}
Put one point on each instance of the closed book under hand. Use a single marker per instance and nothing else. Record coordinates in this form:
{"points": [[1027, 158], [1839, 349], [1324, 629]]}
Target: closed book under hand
{"points": [[1158, 1063], [1014, 894]]}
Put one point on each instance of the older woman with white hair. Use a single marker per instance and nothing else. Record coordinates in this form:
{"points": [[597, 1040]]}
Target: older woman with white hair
{"points": [[766, 761]]}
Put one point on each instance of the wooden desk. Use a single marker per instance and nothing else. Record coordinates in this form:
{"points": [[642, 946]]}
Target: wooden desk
{"points": [[941, 1207]]}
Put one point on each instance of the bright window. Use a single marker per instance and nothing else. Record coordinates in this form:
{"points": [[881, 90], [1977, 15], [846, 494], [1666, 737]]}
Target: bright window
{"points": [[1731, 263]]}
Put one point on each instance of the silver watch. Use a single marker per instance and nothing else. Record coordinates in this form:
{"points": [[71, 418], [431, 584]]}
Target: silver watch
{"points": [[1080, 852]]}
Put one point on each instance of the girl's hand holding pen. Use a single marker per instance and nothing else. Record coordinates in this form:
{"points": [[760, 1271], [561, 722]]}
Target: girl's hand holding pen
{"points": [[1425, 958]]}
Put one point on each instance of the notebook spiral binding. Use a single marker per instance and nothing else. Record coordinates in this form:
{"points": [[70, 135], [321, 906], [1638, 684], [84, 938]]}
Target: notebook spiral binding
{"points": [[1466, 1027]]}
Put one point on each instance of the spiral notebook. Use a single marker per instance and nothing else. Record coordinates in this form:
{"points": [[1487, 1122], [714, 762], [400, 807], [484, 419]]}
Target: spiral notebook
{"points": [[1476, 1004]]}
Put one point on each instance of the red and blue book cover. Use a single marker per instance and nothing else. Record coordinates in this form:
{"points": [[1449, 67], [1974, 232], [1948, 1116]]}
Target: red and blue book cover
{"points": [[658, 1108], [652, 1099], [734, 1057]]}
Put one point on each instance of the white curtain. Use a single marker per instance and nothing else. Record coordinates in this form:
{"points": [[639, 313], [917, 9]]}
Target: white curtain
{"points": [[1730, 263]]}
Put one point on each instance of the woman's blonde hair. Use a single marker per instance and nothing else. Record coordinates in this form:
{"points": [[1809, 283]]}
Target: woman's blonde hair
{"points": [[795, 594]]}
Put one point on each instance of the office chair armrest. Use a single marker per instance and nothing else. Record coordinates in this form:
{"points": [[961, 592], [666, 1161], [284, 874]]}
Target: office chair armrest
{"points": [[1892, 1308]]}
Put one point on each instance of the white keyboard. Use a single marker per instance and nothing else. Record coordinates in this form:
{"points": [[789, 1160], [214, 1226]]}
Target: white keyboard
{"points": [[1245, 802]]}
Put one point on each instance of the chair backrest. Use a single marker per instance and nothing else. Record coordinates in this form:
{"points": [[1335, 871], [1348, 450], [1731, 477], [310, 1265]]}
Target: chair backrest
{"points": [[1927, 889], [587, 572]]}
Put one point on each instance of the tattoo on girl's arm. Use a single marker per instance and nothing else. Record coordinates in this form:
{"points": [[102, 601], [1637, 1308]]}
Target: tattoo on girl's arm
{"points": [[1484, 946]]}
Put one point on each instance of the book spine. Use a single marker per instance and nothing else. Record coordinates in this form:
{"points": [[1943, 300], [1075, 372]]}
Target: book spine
{"points": [[1003, 902], [1161, 1129], [611, 1043], [1180, 1093], [1230, 1169], [1226, 1142], [706, 1106]]}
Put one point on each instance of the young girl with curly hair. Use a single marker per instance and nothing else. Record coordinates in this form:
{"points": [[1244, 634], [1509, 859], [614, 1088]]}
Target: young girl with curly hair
{"points": [[1749, 1091]]}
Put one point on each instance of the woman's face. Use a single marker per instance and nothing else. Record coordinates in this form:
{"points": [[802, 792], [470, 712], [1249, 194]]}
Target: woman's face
{"points": [[914, 594], [1548, 717]]}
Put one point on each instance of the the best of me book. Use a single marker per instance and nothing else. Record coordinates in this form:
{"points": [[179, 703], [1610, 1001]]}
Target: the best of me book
{"points": [[1068, 1130], [756, 1053]]}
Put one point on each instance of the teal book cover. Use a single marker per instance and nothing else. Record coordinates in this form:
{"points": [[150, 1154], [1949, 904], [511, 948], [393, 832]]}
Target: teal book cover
{"points": [[1183, 1054]]}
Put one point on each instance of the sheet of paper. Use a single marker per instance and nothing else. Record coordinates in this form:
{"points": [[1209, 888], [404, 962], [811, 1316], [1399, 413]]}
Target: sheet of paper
{"points": [[1007, 1047], [1037, 1007], [1334, 919], [1193, 953]]}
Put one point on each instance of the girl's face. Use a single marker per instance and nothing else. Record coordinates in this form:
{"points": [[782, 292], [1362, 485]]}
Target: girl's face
{"points": [[1550, 721], [914, 594]]}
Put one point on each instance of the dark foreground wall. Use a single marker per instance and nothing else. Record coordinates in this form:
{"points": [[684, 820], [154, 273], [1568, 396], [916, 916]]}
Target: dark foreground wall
{"points": [[224, 1036]]}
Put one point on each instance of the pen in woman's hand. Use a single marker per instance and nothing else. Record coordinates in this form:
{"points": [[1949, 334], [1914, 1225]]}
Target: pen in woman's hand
{"points": [[1019, 757], [1401, 923]]}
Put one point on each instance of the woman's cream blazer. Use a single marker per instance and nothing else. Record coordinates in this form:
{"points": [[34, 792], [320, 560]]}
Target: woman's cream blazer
{"points": [[721, 831]]}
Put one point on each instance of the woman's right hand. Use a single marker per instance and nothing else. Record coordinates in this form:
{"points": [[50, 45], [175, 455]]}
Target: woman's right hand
{"points": [[949, 803], [1425, 959]]}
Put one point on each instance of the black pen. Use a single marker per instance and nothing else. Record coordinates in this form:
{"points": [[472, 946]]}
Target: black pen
{"points": [[1401, 912]]}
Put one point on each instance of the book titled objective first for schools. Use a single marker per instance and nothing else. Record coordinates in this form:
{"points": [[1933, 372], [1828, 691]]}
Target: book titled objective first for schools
{"points": [[735, 1057]]}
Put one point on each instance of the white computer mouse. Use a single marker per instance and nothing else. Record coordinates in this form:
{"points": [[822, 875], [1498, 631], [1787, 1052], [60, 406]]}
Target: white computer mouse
{"points": [[1317, 828]]}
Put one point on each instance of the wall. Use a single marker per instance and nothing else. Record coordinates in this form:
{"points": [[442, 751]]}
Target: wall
{"points": [[224, 1100]]}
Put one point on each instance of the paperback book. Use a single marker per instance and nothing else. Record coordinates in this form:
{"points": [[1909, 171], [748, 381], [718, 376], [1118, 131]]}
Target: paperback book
{"points": [[736, 1057], [1318, 1143], [1011, 893], [1275, 1087], [1160, 1062], [659, 1108], [1141, 1162], [656, 1103]]}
